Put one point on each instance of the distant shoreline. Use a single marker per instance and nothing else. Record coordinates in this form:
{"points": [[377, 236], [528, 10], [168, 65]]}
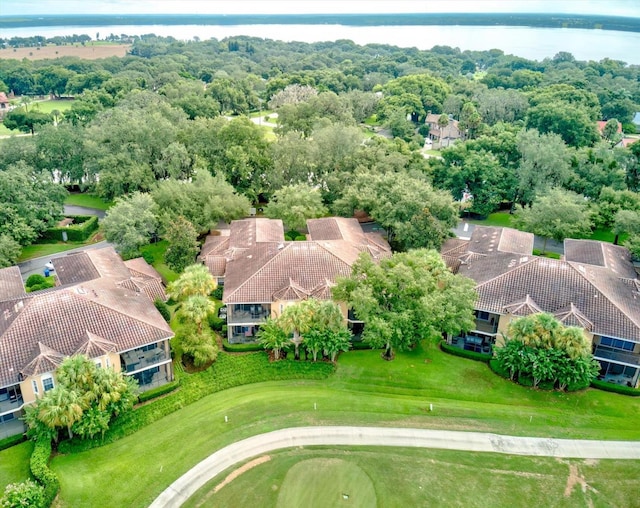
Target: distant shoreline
{"points": [[541, 20]]}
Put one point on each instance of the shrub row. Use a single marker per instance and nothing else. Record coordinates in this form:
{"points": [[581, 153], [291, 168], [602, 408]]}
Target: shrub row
{"points": [[497, 368], [612, 387], [39, 466], [358, 344], [241, 348], [83, 227], [471, 355], [228, 371], [10, 441], [157, 392]]}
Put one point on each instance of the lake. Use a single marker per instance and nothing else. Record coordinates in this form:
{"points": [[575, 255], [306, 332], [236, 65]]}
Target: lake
{"points": [[532, 43]]}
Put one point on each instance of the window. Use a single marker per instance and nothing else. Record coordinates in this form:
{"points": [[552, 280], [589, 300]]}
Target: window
{"points": [[107, 362], [625, 345], [47, 383], [482, 315], [34, 383], [98, 364]]}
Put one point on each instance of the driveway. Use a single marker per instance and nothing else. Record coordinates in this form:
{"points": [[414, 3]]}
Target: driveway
{"points": [[36, 265], [185, 486]]}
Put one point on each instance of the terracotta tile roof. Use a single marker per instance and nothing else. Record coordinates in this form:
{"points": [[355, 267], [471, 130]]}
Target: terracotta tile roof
{"points": [[138, 267], [602, 124], [44, 359], [61, 320], [217, 265], [11, 284], [600, 292], [3, 98], [267, 269], [74, 268], [248, 232], [101, 313], [487, 239], [214, 245]]}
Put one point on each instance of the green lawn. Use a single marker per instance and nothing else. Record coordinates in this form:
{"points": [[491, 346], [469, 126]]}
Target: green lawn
{"points": [[415, 477], [157, 251], [49, 105], [365, 390], [88, 201], [7, 132], [47, 249], [14, 464]]}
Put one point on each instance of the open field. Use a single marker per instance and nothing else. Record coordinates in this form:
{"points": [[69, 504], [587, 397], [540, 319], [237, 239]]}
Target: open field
{"points": [[365, 390], [415, 477], [91, 51], [50, 105]]}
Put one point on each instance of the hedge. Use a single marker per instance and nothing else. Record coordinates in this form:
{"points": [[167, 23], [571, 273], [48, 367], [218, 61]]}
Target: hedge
{"points": [[83, 227], [497, 368], [160, 390], [228, 371], [39, 466], [241, 348], [612, 387], [358, 344], [471, 355], [10, 441]]}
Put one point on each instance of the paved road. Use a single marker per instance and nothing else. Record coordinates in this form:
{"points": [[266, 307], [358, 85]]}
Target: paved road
{"points": [[81, 210], [185, 486]]}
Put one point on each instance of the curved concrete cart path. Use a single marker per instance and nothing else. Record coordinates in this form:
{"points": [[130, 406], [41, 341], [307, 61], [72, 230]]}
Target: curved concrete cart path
{"points": [[185, 486]]}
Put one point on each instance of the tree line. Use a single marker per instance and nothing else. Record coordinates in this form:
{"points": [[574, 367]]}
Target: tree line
{"points": [[158, 122]]}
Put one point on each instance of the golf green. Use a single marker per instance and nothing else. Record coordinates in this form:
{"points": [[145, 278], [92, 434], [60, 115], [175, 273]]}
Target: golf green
{"points": [[326, 482]]}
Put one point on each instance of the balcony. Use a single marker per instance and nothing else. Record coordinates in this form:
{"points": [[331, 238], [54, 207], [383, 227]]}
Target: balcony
{"points": [[11, 404], [140, 359], [247, 313], [605, 353], [487, 326]]}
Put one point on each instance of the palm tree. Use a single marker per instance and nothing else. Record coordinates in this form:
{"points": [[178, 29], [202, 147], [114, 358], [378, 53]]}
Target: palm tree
{"points": [[60, 408], [77, 372], [196, 308], [56, 116], [296, 320], [195, 280], [272, 336]]}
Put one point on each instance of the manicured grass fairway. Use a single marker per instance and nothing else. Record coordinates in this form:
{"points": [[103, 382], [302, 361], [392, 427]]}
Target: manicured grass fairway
{"points": [[365, 390], [415, 477]]}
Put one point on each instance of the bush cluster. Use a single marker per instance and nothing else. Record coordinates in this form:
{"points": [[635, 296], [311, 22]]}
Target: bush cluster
{"points": [[471, 355], [241, 348], [39, 466], [163, 309], [36, 282], [159, 391], [228, 371], [614, 388], [217, 292], [10, 441], [79, 231]]}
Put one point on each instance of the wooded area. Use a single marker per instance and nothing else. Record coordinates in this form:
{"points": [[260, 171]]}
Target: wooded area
{"points": [[172, 119]]}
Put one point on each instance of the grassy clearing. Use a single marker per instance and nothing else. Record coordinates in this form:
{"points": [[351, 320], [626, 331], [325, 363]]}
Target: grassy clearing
{"points": [[417, 477], [8, 132], [48, 106], [14, 465], [365, 390], [88, 201], [157, 251], [497, 219]]}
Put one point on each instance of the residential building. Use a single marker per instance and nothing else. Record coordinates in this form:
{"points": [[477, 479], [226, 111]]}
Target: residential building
{"points": [[442, 137], [595, 287], [102, 308], [263, 273]]}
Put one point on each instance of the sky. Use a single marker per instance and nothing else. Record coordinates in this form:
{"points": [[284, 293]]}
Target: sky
{"points": [[610, 7]]}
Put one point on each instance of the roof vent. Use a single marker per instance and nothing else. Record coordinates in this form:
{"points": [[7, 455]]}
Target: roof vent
{"points": [[280, 246]]}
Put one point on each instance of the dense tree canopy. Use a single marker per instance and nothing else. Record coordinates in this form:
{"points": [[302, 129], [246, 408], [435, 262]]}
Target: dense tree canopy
{"points": [[406, 298]]}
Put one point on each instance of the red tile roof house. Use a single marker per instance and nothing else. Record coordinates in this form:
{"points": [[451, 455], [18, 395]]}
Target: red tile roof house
{"points": [[594, 287], [4, 101], [103, 308], [263, 273]]}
